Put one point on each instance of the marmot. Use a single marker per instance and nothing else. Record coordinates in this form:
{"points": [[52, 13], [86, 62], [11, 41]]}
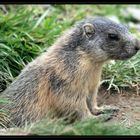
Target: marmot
{"points": [[64, 80]]}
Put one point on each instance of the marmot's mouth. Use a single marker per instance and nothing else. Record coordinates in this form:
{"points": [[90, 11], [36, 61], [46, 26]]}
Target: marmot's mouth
{"points": [[123, 56]]}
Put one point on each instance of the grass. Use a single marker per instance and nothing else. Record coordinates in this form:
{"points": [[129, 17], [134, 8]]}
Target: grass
{"points": [[26, 31], [123, 74], [87, 127]]}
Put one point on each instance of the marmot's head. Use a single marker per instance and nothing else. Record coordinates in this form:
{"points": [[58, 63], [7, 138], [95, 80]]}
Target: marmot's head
{"points": [[107, 39]]}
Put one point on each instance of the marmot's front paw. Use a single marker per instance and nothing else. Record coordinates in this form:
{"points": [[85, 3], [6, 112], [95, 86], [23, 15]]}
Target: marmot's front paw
{"points": [[105, 109], [109, 109]]}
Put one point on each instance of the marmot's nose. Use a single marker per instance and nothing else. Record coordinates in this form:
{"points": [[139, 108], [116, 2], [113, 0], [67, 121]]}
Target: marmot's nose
{"points": [[136, 48], [137, 45]]}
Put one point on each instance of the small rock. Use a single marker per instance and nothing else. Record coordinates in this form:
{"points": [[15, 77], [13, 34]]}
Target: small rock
{"points": [[112, 62], [135, 26], [134, 12], [131, 25], [123, 113]]}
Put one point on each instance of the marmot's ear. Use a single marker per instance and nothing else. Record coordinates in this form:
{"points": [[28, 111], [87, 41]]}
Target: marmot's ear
{"points": [[88, 29]]}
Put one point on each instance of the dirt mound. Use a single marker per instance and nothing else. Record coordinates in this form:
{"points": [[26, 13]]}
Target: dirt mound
{"points": [[128, 102]]}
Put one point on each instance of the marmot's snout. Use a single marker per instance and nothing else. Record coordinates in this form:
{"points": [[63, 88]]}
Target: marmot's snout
{"points": [[130, 48], [133, 47]]}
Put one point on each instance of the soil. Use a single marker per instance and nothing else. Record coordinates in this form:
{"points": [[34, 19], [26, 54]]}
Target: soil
{"points": [[128, 102]]}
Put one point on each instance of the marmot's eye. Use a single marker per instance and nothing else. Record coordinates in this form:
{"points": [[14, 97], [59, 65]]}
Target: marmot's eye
{"points": [[112, 36]]}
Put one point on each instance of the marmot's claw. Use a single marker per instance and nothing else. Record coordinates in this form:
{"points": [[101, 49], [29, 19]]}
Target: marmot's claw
{"points": [[109, 109], [106, 109]]}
